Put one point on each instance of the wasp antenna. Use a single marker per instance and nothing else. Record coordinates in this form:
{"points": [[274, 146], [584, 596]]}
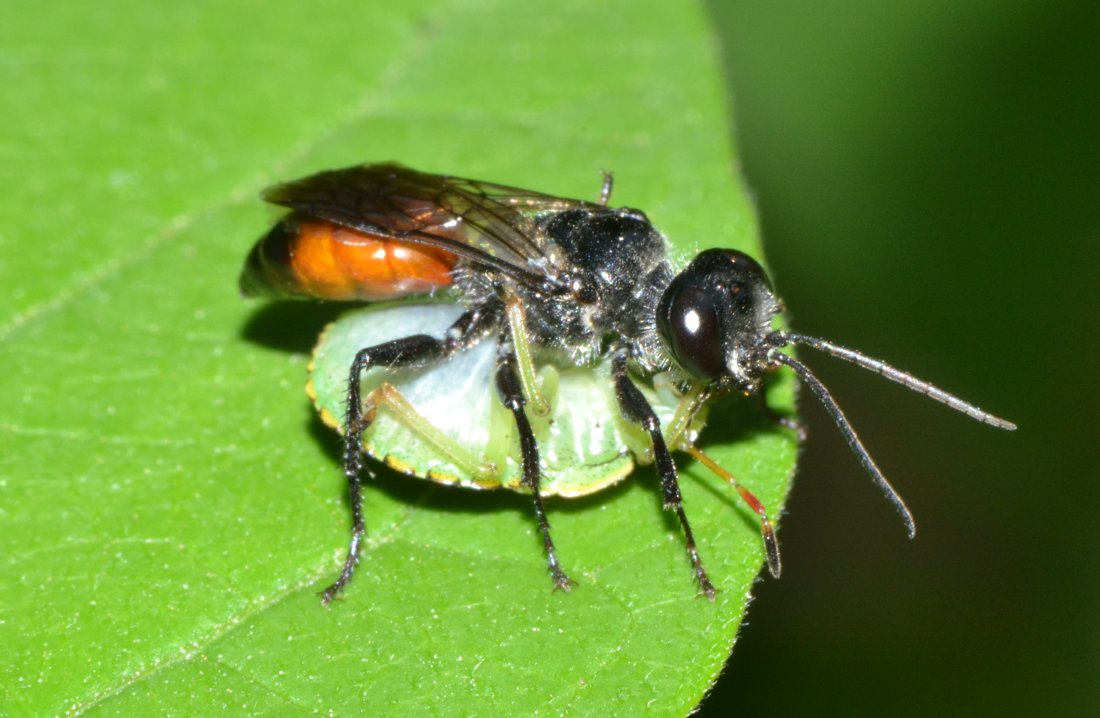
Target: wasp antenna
{"points": [[897, 375], [854, 443]]}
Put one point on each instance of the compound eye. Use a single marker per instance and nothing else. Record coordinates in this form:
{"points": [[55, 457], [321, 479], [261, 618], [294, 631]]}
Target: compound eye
{"points": [[688, 321]]}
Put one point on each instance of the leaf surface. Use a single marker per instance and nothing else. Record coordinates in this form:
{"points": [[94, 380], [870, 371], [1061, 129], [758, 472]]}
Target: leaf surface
{"points": [[170, 504]]}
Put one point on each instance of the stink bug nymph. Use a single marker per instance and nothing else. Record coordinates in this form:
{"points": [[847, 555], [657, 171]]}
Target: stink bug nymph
{"points": [[542, 344]]}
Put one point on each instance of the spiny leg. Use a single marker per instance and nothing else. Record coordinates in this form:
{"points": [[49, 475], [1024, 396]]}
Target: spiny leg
{"points": [[636, 409], [510, 390], [412, 351]]}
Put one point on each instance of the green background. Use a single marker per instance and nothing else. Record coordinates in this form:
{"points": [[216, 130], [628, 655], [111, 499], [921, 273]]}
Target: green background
{"points": [[928, 176]]}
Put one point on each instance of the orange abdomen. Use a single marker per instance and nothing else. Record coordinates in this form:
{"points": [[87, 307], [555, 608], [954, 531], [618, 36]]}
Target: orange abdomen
{"points": [[302, 256]]}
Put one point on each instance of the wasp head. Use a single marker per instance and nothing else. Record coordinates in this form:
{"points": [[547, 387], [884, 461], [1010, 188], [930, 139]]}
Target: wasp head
{"points": [[714, 318]]}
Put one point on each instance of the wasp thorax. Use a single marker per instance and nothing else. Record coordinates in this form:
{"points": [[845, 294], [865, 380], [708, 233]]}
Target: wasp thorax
{"points": [[714, 316]]}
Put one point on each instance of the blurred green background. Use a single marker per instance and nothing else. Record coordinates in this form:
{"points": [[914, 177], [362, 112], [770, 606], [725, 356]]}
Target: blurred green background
{"points": [[928, 177]]}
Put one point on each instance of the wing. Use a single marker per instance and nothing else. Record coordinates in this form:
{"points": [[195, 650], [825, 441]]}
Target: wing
{"points": [[488, 224]]}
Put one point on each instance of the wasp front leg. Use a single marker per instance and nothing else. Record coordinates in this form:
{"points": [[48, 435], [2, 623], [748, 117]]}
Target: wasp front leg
{"points": [[679, 439], [413, 351], [636, 409]]}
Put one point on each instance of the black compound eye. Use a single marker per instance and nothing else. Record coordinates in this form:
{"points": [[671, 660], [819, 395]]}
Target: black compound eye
{"points": [[688, 320]]}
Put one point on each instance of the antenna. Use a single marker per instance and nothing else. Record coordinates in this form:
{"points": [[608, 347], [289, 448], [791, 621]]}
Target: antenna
{"points": [[778, 340], [845, 427], [893, 374]]}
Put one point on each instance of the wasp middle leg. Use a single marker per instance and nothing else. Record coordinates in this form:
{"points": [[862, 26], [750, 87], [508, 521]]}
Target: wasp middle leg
{"points": [[510, 389]]}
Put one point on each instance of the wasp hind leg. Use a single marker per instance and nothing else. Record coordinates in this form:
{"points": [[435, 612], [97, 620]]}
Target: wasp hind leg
{"points": [[413, 351], [636, 409]]}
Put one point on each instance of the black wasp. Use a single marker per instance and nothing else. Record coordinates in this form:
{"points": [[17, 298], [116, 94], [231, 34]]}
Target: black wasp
{"points": [[549, 281]]}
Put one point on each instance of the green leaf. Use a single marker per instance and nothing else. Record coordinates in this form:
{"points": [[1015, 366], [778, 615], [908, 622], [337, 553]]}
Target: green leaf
{"points": [[169, 503]]}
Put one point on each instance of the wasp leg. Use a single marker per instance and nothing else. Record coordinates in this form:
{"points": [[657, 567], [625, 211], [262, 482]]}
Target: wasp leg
{"points": [[412, 351], [510, 389], [677, 433], [605, 189], [636, 409]]}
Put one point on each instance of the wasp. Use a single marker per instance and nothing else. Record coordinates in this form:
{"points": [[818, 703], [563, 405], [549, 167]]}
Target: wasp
{"points": [[552, 295]]}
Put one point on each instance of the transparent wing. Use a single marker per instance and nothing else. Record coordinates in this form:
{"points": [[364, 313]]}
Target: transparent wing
{"points": [[488, 224]]}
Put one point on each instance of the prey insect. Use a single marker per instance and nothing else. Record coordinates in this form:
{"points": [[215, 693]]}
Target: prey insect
{"points": [[599, 350]]}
